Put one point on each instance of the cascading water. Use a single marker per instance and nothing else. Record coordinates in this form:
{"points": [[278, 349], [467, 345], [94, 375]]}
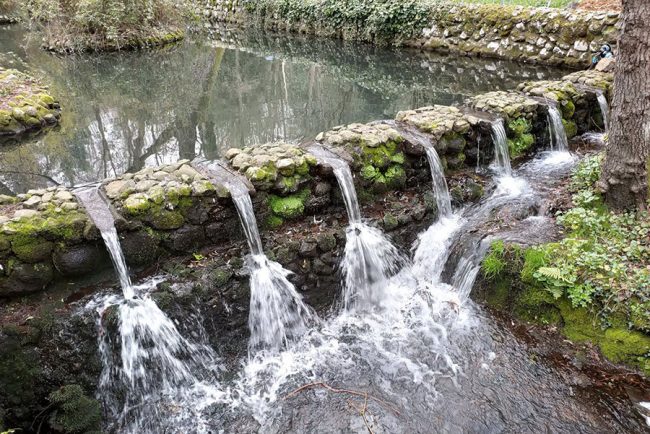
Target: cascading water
{"points": [[440, 188], [370, 258], [501, 153], [277, 312], [604, 109], [559, 141], [101, 215], [157, 368]]}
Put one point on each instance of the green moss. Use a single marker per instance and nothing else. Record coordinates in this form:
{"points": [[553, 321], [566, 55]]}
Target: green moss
{"points": [[165, 220], [568, 108], [395, 176], [75, 412], [520, 145], [571, 128], [29, 248], [494, 263], [519, 126], [289, 207], [273, 221]]}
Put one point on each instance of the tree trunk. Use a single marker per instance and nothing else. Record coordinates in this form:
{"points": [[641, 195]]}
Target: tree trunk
{"points": [[624, 177]]}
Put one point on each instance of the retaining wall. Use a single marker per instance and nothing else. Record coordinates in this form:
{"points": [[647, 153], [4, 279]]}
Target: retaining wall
{"points": [[539, 35], [174, 209]]}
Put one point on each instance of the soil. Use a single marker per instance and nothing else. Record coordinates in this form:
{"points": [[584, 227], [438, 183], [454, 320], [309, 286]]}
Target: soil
{"points": [[600, 5]]}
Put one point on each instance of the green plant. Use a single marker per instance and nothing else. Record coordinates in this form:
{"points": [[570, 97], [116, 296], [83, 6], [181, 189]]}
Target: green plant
{"points": [[76, 25]]}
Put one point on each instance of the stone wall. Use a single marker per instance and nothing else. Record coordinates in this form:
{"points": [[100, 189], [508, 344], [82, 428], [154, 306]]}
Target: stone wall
{"points": [[538, 35], [179, 209]]}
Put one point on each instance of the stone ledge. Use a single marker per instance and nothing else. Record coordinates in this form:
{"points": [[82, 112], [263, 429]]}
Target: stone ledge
{"points": [[177, 209]]}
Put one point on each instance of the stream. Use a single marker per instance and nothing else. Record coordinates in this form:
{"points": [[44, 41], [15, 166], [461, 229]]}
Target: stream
{"points": [[406, 350]]}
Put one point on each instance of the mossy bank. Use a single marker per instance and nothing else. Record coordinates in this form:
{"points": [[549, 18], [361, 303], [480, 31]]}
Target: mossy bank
{"points": [[26, 105], [540, 35]]}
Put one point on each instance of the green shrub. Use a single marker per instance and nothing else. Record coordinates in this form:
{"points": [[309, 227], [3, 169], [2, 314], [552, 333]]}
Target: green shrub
{"points": [[77, 25]]}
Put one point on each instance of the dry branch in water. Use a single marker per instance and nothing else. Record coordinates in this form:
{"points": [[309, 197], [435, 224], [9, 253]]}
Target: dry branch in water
{"points": [[326, 386]]}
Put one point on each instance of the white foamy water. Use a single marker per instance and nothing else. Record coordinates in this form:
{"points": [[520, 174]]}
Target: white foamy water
{"points": [[440, 189], [152, 377]]}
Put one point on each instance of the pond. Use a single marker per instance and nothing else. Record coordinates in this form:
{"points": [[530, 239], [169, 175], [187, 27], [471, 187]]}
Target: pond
{"points": [[128, 110]]}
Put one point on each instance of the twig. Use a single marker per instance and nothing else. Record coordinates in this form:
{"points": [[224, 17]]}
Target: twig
{"points": [[362, 411], [335, 390]]}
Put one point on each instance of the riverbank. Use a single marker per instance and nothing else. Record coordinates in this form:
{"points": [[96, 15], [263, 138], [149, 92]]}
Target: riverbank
{"points": [[537, 35], [26, 107]]}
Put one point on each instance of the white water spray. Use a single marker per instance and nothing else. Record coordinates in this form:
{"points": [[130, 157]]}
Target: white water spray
{"points": [[370, 258], [277, 312], [157, 368], [440, 188]]}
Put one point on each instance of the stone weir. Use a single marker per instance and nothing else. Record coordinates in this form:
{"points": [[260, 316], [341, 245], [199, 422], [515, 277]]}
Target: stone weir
{"points": [[538, 35], [176, 209]]}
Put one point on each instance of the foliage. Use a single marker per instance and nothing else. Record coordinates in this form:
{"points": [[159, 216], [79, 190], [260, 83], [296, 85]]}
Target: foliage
{"points": [[603, 261], [75, 412], [519, 137], [76, 25], [382, 20]]}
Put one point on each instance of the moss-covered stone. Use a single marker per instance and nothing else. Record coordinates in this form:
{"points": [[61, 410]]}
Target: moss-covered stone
{"points": [[289, 207], [509, 286], [74, 411]]}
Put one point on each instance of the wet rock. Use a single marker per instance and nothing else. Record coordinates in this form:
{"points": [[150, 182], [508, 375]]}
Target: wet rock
{"points": [[308, 248], [140, 248], [187, 239], [80, 259], [26, 278], [326, 242]]}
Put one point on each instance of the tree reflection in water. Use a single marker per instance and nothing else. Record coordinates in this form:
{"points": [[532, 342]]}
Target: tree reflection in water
{"points": [[124, 111]]}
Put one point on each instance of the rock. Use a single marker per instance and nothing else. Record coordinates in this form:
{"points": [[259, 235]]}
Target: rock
{"points": [[26, 278], [69, 206], [64, 196], [188, 239], [80, 259], [286, 166], [32, 202], [140, 248], [326, 242], [606, 65], [581, 45], [308, 248], [25, 213]]}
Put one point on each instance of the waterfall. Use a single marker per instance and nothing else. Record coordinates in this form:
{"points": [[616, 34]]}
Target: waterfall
{"points": [[370, 258], [559, 141], [501, 153], [156, 365], [98, 210], [440, 188], [604, 109], [277, 312]]}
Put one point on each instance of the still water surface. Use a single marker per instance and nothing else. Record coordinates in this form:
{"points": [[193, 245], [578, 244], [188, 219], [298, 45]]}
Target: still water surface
{"points": [[124, 111]]}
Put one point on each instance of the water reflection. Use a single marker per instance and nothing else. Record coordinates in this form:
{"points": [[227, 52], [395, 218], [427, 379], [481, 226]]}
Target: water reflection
{"points": [[128, 110]]}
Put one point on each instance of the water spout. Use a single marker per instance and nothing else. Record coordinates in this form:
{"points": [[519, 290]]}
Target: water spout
{"points": [[277, 314], [559, 141], [97, 207], [370, 258], [604, 109], [440, 188], [501, 153]]}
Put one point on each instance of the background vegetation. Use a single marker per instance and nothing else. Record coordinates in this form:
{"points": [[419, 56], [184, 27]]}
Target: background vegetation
{"points": [[76, 25]]}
